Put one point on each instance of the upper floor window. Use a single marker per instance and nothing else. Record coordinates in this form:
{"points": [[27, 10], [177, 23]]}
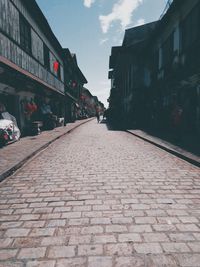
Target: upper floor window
{"points": [[168, 50], [190, 28], [25, 35], [46, 57]]}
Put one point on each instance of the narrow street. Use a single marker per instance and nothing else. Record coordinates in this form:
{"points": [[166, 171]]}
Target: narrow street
{"points": [[101, 198]]}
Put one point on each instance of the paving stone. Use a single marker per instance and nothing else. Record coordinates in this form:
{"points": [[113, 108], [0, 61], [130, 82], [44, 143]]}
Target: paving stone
{"points": [[104, 239], [175, 247], [122, 220], [11, 264], [182, 237], [120, 249], [7, 225], [54, 240], [100, 221], [155, 237], [164, 228], [82, 239], [24, 242], [42, 232], [143, 228], [92, 230], [32, 253], [87, 250], [5, 242], [6, 254], [36, 263], [130, 237], [161, 261], [146, 248], [145, 220], [116, 228], [189, 260], [17, 232], [188, 227], [135, 261], [72, 262], [194, 246], [33, 224], [128, 204], [81, 221], [61, 252], [100, 261], [55, 223]]}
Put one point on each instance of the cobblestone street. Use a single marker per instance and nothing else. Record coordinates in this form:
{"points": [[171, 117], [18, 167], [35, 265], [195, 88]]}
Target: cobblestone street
{"points": [[101, 198]]}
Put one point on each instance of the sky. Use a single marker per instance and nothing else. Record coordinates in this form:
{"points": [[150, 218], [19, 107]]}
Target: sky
{"points": [[89, 28]]}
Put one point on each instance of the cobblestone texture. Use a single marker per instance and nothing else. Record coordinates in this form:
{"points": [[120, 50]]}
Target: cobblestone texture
{"points": [[101, 198]]}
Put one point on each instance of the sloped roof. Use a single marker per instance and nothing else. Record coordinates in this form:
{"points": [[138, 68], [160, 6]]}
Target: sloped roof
{"points": [[138, 34], [71, 57]]}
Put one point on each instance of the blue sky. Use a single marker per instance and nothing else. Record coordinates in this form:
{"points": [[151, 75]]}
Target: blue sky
{"points": [[90, 28]]}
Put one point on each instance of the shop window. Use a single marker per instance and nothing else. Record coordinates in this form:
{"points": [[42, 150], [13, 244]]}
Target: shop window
{"points": [[46, 57], [25, 35]]}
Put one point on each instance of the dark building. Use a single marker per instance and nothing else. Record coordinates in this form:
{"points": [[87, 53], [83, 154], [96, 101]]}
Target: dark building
{"points": [[74, 81], [127, 75], [158, 68]]}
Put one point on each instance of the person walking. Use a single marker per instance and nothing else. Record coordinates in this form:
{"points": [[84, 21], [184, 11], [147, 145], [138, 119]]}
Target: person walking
{"points": [[97, 116]]}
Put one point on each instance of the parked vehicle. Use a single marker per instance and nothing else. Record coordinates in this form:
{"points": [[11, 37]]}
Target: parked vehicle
{"points": [[9, 131]]}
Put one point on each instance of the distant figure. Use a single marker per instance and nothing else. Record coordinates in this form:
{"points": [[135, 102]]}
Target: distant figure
{"points": [[97, 116], [177, 114], [105, 115]]}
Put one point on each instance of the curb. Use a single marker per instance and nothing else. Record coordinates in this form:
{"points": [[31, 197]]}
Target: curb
{"points": [[13, 169], [171, 151]]}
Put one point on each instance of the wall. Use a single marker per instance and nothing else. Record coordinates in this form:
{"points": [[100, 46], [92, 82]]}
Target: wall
{"points": [[10, 44]]}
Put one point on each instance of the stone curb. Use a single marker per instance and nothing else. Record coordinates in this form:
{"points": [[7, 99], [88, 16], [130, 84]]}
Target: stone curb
{"points": [[189, 157], [13, 169]]}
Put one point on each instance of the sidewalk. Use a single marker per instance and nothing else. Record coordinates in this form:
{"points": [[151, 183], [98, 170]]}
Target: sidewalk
{"points": [[167, 146], [14, 155]]}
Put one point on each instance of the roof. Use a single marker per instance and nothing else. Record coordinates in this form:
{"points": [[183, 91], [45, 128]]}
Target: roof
{"points": [[138, 34], [71, 58], [173, 6], [85, 90]]}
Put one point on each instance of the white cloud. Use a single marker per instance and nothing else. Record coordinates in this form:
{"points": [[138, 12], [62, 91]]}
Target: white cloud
{"points": [[88, 3], [106, 82], [139, 22], [121, 11], [103, 41]]}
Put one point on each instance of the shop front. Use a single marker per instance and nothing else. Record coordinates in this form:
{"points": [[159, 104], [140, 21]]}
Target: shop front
{"points": [[30, 100]]}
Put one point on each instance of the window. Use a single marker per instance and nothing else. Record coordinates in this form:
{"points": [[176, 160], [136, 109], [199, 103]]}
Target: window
{"points": [[168, 50], [25, 35], [46, 57], [190, 28]]}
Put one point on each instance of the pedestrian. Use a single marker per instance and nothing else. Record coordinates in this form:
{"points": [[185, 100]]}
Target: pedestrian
{"points": [[97, 116], [177, 114]]}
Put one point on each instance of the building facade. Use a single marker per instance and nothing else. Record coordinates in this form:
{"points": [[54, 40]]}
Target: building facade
{"points": [[31, 64], [36, 73], [157, 69], [74, 82]]}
